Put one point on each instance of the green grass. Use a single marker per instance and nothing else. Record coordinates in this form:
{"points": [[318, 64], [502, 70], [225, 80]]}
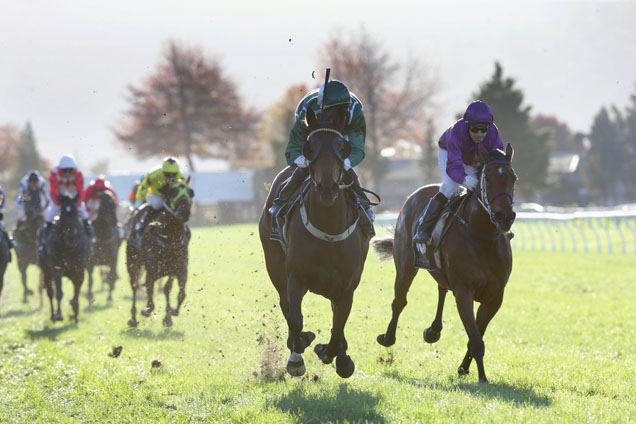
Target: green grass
{"points": [[561, 349]]}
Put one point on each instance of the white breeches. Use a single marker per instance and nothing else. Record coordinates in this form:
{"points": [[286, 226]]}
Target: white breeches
{"points": [[449, 187], [54, 210]]}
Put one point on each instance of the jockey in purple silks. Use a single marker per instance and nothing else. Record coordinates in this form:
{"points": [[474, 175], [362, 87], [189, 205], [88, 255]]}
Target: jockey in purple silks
{"points": [[459, 143]]}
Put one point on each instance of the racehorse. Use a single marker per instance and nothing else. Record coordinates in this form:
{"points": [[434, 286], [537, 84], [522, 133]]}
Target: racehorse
{"points": [[25, 238], [326, 249], [5, 257], [106, 244], [64, 254], [161, 248], [476, 258]]}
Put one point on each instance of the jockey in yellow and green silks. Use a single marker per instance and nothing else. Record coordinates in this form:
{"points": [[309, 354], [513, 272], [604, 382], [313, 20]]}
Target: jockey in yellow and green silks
{"points": [[155, 185]]}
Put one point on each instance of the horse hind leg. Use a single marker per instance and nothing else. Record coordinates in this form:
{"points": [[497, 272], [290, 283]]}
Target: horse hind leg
{"points": [[167, 321], [27, 292], [403, 280], [433, 333], [485, 313], [57, 316], [181, 296], [150, 285], [77, 285]]}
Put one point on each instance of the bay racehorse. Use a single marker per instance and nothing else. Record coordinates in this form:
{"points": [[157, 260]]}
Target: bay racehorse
{"points": [[475, 254], [326, 249], [25, 239], [64, 254], [106, 245], [160, 246]]}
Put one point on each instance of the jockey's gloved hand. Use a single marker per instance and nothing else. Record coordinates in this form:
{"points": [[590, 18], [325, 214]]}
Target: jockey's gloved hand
{"points": [[137, 204], [301, 162], [470, 182], [347, 164]]}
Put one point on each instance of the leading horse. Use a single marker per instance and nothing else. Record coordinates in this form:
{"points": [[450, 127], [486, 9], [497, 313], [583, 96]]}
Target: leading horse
{"points": [[106, 245], [326, 249], [476, 258], [64, 254]]}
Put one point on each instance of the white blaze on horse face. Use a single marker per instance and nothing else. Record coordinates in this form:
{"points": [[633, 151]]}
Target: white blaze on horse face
{"points": [[500, 170]]}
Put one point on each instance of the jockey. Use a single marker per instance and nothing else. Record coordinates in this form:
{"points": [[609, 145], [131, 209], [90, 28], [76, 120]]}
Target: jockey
{"points": [[338, 98], [94, 190], [32, 189], [155, 186], [3, 231], [66, 179], [457, 148]]}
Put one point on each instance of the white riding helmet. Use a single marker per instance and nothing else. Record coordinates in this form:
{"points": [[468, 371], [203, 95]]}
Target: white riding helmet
{"points": [[67, 161]]}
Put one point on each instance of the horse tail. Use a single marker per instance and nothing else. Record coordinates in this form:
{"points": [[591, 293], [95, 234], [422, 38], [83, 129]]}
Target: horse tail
{"points": [[384, 247]]}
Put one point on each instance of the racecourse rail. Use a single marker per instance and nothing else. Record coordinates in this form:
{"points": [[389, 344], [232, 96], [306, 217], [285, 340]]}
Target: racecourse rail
{"points": [[608, 230]]}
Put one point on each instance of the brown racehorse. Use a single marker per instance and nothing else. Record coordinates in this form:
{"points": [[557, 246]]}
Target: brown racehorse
{"points": [[331, 268], [476, 258]]}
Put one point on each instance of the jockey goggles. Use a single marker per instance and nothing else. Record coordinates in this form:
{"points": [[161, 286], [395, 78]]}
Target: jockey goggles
{"points": [[479, 127], [170, 175], [67, 170]]}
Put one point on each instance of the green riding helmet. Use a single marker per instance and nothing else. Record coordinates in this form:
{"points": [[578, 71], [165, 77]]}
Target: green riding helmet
{"points": [[337, 94], [170, 166]]}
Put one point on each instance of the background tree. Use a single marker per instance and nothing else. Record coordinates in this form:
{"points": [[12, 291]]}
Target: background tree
{"points": [[28, 157], [602, 166], [278, 123], [532, 148], [628, 170], [187, 106], [397, 97], [9, 141]]}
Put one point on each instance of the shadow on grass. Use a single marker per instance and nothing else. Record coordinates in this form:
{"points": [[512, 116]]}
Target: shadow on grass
{"points": [[165, 334], [517, 395], [19, 312], [96, 307], [49, 332], [346, 404]]}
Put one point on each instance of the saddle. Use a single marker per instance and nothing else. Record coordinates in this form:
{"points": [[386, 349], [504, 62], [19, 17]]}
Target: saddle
{"points": [[428, 257], [279, 226]]}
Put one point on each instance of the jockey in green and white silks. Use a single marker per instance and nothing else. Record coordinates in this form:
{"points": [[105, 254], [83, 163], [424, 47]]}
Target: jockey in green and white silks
{"points": [[338, 98]]}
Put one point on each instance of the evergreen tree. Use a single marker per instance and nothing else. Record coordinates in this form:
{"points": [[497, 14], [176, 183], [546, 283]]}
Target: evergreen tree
{"points": [[629, 145], [28, 157], [532, 149]]}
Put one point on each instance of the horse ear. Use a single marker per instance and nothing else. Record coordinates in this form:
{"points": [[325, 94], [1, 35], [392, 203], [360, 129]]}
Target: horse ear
{"points": [[510, 152], [482, 153], [188, 179], [312, 120], [191, 192]]}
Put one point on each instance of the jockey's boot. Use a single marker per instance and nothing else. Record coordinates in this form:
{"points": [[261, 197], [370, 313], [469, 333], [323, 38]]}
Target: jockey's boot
{"points": [[364, 202], [5, 234], [433, 210], [296, 179]]}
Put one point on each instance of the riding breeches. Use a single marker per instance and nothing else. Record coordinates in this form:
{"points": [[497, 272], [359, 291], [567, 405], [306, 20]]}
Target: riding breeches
{"points": [[54, 210], [449, 187]]}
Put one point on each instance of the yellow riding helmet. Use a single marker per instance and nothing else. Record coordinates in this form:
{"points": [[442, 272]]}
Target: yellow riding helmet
{"points": [[170, 165]]}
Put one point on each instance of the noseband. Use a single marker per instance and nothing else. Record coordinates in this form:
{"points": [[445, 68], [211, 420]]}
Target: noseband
{"points": [[483, 198], [339, 134]]}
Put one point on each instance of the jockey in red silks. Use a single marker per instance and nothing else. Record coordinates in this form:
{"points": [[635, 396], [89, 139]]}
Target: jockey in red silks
{"points": [[94, 190], [67, 179]]}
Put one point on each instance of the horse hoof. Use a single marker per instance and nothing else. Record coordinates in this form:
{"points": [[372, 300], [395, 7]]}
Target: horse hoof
{"points": [[29, 292], [462, 371], [307, 337], [25, 301], [110, 298], [296, 365], [385, 341], [431, 336], [321, 351], [167, 322], [56, 317], [133, 323], [146, 312], [344, 366], [483, 380]]}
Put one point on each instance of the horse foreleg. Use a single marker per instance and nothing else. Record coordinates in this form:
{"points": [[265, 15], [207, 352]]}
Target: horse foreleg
{"points": [[27, 292], [182, 294], [299, 340], [167, 321], [433, 333], [337, 346], [485, 313], [403, 280], [77, 285], [464, 301], [48, 284], [57, 316], [90, 296], [150, 285]]}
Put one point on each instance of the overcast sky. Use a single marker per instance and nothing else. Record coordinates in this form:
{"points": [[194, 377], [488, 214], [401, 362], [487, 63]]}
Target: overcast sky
{"points": [[65, 64]]}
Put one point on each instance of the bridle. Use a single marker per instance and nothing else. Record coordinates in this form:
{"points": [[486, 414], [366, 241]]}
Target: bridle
{"points": [[340, 158], [483, 198]]}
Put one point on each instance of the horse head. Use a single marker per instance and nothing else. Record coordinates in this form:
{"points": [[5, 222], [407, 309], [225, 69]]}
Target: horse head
{"points": [[69, 224], [179, 199], [496, 186], [326, 149]]}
